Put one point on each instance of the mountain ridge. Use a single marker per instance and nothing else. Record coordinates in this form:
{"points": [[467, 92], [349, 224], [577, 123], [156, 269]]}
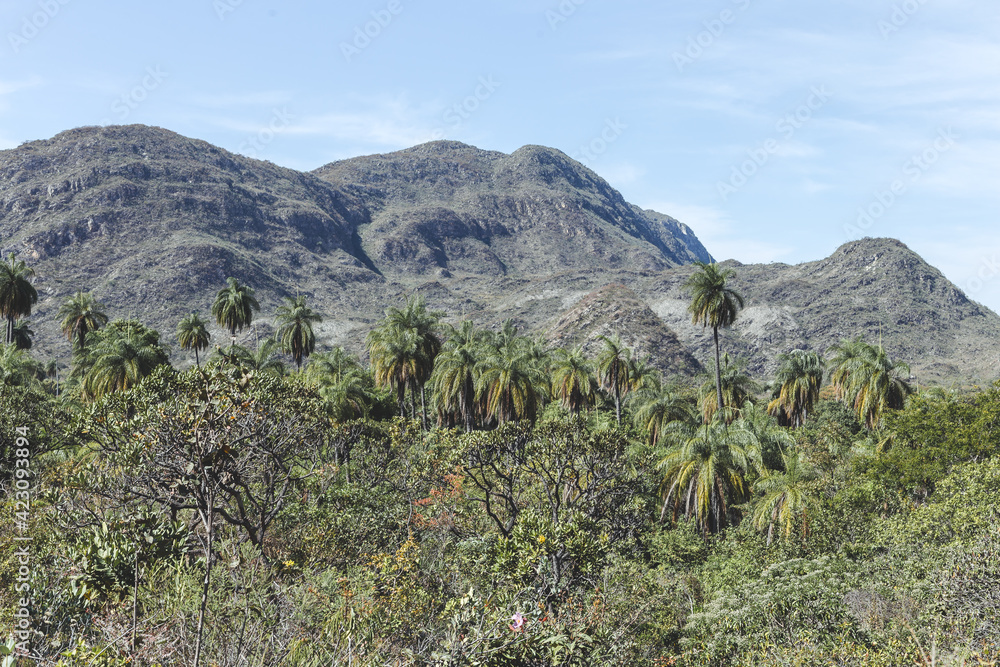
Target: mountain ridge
{"points": [[153, 222]]}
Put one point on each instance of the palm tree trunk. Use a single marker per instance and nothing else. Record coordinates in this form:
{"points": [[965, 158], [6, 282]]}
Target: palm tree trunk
{"points": [[196, 361], [10, 331], [718, 376]]}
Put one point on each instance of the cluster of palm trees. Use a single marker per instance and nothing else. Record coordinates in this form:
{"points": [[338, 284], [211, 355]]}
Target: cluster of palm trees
{"points": [[116, 356], [479, 378], [741, 453], [718, 449]]}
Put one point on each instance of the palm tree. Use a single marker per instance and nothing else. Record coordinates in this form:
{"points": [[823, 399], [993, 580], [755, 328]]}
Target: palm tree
{"points": [[81, 314], [121, 363], [332, 365], [704, 470], [402, 349], [192, 334], [737, 387], [785, 496], [295, 330], [395, 357], [846, 355], [17, 294], [234, 306], [21, 334], [798, 380], [511, 384], [773, 440], [454, 379], [655, 407], [342, 382], [17, 368], [573, 381], [869, 381], [264, 360], [613, 367], [713, 304]]}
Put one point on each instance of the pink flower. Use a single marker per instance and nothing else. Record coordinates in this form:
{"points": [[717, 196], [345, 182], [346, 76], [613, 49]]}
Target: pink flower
{"points": [[517, 622]]}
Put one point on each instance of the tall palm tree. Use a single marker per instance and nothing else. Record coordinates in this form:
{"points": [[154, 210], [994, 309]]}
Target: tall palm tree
{"points": [[17, 294], [81, 314], [736, 385], [869, 381], [21, 334], [785, 496], [713, 304], [613, 369], [846, 355], [573, 381], [704, 471], [192, 334], [454, 379], [511, 385], [798, 380], [295, 328], [395, 357], [407, 341], [234, 306]]}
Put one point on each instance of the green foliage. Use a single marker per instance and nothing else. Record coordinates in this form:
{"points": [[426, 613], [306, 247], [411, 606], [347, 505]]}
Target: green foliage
{"points": [[107, 556], [930, 437], [792, 602]]}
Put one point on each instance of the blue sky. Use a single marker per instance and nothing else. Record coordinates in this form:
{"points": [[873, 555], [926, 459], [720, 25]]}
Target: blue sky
{"points": [[777, 130]]}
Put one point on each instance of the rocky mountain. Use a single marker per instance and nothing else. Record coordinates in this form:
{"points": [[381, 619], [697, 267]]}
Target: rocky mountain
{"points": [[153, 222], [615, 310], [448, 209]]}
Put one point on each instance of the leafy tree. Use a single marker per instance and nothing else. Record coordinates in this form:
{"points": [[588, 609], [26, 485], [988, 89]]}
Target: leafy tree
{"points": [[210, 448], [295, 328], [573, 381], [785, 497], [798, 380], [192, 334], [21, 335], [17, 294], [81, 313], [234, 306], [713, 304], [613, 367]]}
